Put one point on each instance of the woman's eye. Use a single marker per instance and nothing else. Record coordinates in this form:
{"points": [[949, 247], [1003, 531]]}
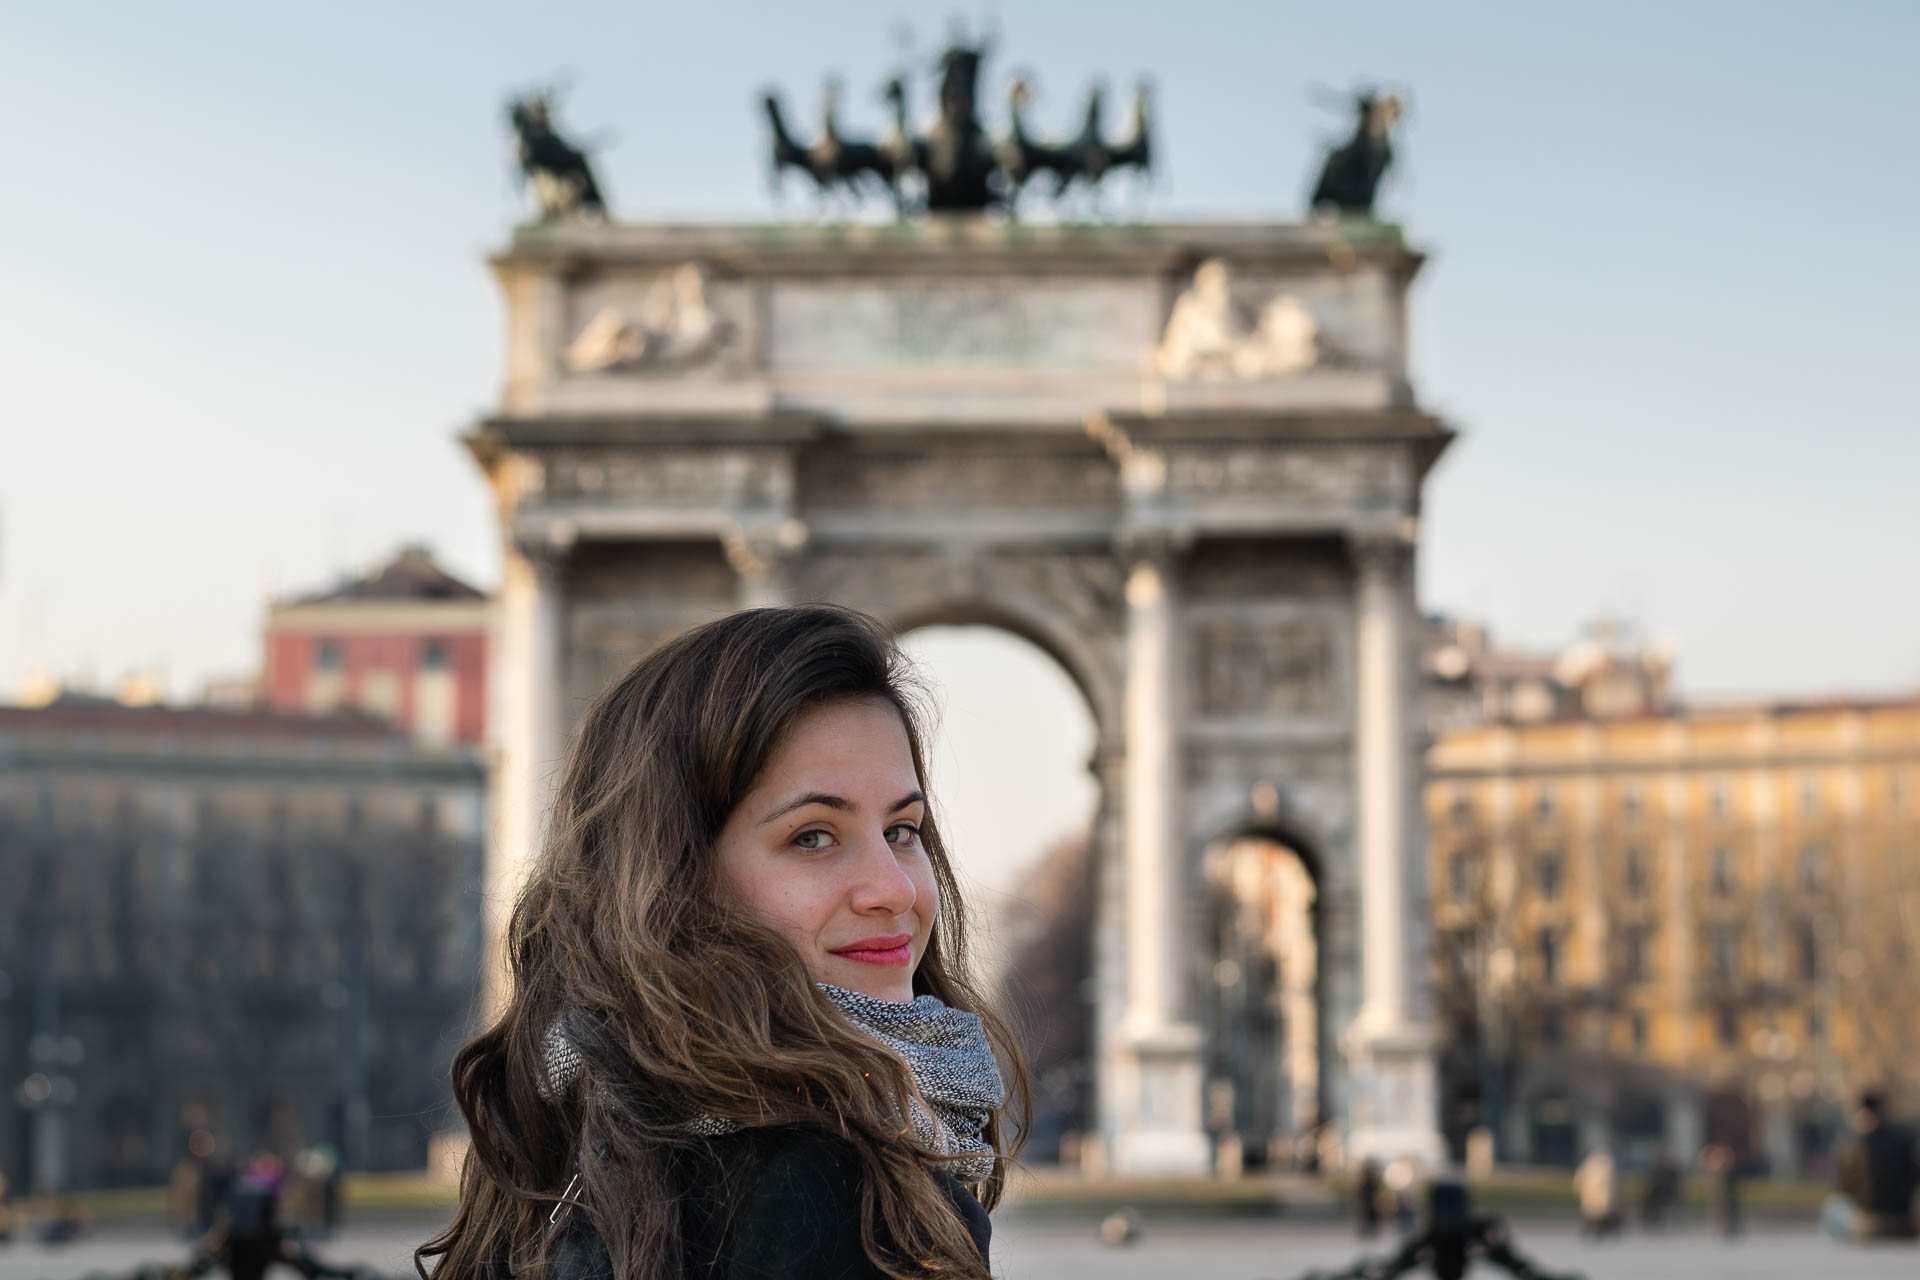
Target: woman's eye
{"points": [[814, 839], [902, 833]]}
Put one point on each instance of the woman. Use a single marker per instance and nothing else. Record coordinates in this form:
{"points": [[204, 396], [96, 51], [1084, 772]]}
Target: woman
{"points": [[741, 1038]]}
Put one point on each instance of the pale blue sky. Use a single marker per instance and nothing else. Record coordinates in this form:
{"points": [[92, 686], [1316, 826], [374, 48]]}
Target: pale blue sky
{"points": [[243, 311]]}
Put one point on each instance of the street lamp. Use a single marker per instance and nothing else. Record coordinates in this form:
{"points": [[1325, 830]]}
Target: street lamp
{"points": [[46, 1095]]}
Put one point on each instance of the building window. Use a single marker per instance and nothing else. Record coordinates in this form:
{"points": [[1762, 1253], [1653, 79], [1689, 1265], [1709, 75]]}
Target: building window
{"points": [[1636, 872], [1637, 1028], [1543, 804], [1460, 954], [1630, 803], [1547, 875], [1549, 956], [1720, 798], [1722, 871], [1726, 1025], [1811, 865], [1807, 944], [1460, 877], [329, 656], [1810, 794], [1634, 954], [434, 655], [1816, 1026], [1462, 806], [1724, 947]]}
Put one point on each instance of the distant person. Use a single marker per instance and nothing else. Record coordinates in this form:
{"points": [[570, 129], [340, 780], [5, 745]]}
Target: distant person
{"points": [[1879, 1171], [1597, 1185], [1402, 1180], [1662, 1191], [329, 1188], [247, 1238], [740, 1037], [1723, 1169], [186, 1187], [216, 1179], [1368, 1192], [68, 1222]]}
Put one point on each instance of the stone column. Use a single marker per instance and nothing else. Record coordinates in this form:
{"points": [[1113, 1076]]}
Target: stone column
{"points": [[528, 732], [1381, 766], [1393, 1100], [1160, 1077]]}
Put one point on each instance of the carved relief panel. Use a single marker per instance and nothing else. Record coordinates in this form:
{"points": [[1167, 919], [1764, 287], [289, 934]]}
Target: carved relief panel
{"points": [[686, 322], [1277, 667], [1231, 323]]}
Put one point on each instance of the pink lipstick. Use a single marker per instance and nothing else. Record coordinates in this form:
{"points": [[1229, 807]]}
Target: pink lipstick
{"points": [[885, 950]]}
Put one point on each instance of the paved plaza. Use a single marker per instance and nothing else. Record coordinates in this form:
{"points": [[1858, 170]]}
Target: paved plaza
{"points": [[1186, 1251]]}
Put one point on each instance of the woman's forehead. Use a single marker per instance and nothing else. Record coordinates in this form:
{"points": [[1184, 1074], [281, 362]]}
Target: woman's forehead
{"points": [[843, 744]]}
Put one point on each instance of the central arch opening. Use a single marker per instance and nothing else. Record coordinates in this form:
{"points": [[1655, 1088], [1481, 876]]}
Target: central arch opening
{"points": [[1009, 760]]}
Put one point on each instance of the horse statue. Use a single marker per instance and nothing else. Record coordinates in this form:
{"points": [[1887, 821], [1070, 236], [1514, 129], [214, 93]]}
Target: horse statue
{"points": [[955, 166], [561, 178], [1351, 175], [559, 173]]}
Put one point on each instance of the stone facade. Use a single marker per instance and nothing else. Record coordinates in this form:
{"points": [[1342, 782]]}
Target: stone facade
{"points": [[1185, 461], [259, 924], [1690, 926]]}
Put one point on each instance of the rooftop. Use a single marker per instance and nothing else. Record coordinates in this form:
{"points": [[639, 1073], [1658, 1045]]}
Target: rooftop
{"points": [[88, 713], [411, 575]]}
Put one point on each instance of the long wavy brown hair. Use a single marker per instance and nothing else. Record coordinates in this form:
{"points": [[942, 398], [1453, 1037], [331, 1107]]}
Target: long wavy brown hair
{"points": [[679, 1005]]}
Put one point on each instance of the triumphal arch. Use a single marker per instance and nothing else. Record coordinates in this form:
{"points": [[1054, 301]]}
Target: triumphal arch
{"points": [[1184, 460]]}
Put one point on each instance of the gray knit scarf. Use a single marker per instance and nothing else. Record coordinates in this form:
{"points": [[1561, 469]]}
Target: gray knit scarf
{"points": [[945, 1048]]}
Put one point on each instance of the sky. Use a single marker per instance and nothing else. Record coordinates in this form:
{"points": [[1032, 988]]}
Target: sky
{"points": [[244, 311]]}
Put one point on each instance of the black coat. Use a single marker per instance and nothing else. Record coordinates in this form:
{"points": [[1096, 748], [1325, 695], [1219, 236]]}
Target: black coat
{"points": [[770, 1204]]}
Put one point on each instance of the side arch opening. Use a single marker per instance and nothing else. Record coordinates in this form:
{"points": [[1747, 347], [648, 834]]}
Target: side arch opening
{"points": [[1263, 1001]]}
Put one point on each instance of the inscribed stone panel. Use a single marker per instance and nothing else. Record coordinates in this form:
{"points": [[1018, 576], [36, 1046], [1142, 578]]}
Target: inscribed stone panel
{"points": [[963, 322], [1319, 475], [684, 477]]}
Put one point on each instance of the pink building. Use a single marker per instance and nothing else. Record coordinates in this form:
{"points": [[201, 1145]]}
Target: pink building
{"points": [[407, 643]]}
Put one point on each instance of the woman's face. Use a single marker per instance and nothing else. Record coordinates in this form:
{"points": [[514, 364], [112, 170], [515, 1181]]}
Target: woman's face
{"points": [[826, 849]]}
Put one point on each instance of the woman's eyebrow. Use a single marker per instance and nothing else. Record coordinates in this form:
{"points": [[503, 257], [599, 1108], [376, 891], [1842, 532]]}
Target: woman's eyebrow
{"points": [[832, 801], [812, 797]]}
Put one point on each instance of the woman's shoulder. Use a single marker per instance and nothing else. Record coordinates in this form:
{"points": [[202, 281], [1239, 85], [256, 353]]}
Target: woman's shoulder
{"points": [[792, 1201], [777, 1203]]}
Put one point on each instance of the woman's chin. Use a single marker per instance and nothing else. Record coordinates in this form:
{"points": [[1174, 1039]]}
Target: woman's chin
{"points": [[896, 986]]}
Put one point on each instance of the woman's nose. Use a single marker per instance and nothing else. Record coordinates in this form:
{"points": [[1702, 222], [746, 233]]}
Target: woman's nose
{"points": [[881, 883]]}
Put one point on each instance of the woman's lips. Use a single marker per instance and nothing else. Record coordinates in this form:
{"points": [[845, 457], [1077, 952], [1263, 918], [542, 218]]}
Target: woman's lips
{"points": [[891, 950]]}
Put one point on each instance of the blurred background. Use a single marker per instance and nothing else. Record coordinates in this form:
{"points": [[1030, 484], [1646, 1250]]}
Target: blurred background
{"points": [[1667, 709]]}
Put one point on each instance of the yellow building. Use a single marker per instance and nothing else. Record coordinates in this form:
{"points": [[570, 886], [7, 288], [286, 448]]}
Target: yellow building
{"points": [[1688, 927]]}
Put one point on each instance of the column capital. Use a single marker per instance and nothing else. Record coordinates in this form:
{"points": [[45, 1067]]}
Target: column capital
{"points": [[1384, 551], [544, 546], [756, 549], [1159, 545]]}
